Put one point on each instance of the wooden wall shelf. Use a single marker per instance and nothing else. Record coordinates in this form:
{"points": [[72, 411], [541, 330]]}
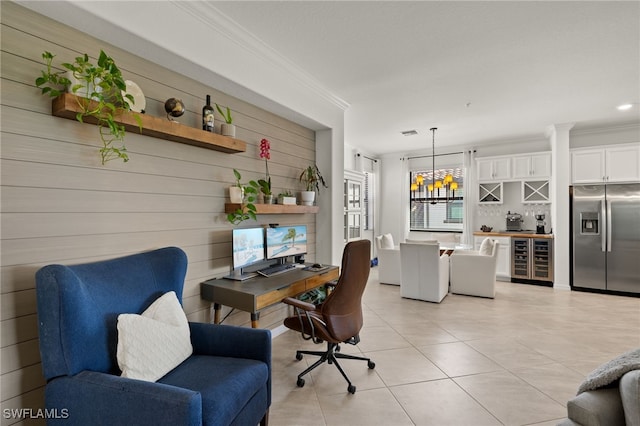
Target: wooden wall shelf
{"points": [[274, 208], [67, 106]]}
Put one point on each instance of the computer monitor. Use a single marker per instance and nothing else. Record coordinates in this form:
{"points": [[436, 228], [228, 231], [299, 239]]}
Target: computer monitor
{"points": [[248, 247], [283, 241]]}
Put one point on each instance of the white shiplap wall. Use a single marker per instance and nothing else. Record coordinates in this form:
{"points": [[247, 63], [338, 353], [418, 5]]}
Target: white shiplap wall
{"points": [[60, 205]]}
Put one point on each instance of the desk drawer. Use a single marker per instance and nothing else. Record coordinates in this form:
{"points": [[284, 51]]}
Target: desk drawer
{"points": [[318, 280], [276, 296]]}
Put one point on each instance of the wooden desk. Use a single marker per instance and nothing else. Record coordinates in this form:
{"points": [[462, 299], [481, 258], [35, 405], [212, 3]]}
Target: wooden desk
{"points": [[257, 293]]}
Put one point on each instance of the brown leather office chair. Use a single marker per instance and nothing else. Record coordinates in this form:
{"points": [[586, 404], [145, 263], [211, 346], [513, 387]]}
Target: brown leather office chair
{"points": [[339, 318]]}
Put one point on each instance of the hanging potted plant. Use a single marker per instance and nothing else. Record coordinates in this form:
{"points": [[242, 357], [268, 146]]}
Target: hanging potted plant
{"points": [[101, 91], [247, 209], [236, 192], [312, 179], [227, 128]]}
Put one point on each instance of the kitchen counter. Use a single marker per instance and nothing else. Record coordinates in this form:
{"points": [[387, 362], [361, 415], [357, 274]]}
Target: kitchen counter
{"points": [[524, 234]]}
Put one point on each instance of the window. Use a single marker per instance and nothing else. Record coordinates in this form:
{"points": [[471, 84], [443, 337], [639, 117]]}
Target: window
{"points": [[438, 210]]}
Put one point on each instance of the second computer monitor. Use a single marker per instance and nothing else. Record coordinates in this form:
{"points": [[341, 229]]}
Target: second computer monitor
{"points": [[283, 241]]}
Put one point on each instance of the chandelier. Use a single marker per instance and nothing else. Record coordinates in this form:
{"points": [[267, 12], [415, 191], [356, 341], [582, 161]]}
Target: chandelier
{"points": [[445, 183]]}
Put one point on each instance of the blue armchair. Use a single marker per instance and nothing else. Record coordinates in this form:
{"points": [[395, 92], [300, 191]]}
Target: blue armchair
{"points": [[226, 381]]}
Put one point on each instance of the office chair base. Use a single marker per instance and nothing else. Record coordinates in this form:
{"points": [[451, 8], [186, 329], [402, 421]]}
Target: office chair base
{"points": [[331, 356]]}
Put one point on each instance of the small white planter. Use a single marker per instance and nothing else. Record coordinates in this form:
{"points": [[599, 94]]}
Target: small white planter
{"points": [[287, 200], [236, 194], [307, 197], [228, 130]]}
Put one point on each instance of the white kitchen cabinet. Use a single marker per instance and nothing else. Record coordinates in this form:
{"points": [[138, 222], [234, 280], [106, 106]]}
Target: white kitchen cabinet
{"points": [[494, 169], [532, 166], [622, 163], [503, 268], [616, 163]]}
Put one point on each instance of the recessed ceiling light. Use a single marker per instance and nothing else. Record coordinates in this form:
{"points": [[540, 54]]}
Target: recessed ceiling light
{"points": [[624, 107], [409, 132]]}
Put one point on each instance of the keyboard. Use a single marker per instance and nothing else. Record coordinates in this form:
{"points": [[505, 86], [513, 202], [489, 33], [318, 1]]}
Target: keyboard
{"points": [[277, 269]]}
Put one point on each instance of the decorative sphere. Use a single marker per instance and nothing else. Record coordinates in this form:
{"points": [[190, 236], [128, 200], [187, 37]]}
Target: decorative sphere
{"points": [[174, 107]]}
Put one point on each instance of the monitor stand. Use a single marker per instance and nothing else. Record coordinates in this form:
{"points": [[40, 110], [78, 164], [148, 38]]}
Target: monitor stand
{"points": [[237, 275]]}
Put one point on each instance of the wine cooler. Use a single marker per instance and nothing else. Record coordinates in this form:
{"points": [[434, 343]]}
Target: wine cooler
{"points": [[532, 259]]}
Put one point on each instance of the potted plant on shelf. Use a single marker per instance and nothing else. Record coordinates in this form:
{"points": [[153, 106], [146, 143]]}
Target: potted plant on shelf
{"points": [[265, 184], [264, 187], [286, 198], [236, 192], [101, 91], [247, 208], [312, 179], [227, 128]]}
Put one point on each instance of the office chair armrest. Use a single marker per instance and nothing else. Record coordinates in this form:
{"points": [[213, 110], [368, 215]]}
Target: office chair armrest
{"points": [[305, 306]]}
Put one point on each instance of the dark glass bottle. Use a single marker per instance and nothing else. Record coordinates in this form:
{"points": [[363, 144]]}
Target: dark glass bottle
{"points": [[207, 116]]}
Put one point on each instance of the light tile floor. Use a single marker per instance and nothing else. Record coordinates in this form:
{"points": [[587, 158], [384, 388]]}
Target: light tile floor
{"points": [[513, 360]]}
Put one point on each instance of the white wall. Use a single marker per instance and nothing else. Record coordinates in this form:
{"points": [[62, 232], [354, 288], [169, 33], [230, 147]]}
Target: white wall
{"points": [[393, 183], [587, 137], [229, 59]]}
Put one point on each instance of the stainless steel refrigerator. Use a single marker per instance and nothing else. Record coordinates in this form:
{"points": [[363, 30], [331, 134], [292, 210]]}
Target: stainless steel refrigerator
{"points": [[605, 237]]}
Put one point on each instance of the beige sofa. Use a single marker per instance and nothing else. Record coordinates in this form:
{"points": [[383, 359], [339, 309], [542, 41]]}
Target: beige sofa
{"points": [[610, 396]]}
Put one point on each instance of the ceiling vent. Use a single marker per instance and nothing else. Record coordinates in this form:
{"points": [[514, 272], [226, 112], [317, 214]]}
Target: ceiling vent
{"points": [[409, 132]]}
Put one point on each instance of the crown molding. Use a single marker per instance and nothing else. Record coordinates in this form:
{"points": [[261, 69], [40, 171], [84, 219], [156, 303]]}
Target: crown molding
{"points": [[604, 128], [222, 24]]}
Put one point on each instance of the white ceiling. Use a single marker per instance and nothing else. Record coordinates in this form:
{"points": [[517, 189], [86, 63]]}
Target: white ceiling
{"points": [[482, 72]]}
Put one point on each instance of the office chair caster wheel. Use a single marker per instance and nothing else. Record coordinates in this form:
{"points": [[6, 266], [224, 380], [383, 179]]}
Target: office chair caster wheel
{"points": [[300, 382], [351, 389], [338, 348], [299, 358], [371, 365]]}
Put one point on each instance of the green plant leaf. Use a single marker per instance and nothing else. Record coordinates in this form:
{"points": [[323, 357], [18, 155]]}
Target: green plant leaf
{"points": [[107, 76], [227, 117]]}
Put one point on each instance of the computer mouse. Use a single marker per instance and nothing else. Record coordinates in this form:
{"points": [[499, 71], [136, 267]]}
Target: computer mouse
{"points": [[316, 265]]}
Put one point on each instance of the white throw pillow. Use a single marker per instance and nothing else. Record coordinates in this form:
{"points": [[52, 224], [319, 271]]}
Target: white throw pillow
{"points": [[155, 342], [486, 248], [387, 241]]}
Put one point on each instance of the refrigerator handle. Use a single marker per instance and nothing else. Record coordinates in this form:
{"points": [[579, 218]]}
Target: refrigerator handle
{"points": [[608, 225], [603, 218]]}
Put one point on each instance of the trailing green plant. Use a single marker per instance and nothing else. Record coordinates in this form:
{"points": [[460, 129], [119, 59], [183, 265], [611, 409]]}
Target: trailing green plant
{"points": [[238, 178], [315, 296], [227, 116], [312, 178], [104, 99], [247, 209]]}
